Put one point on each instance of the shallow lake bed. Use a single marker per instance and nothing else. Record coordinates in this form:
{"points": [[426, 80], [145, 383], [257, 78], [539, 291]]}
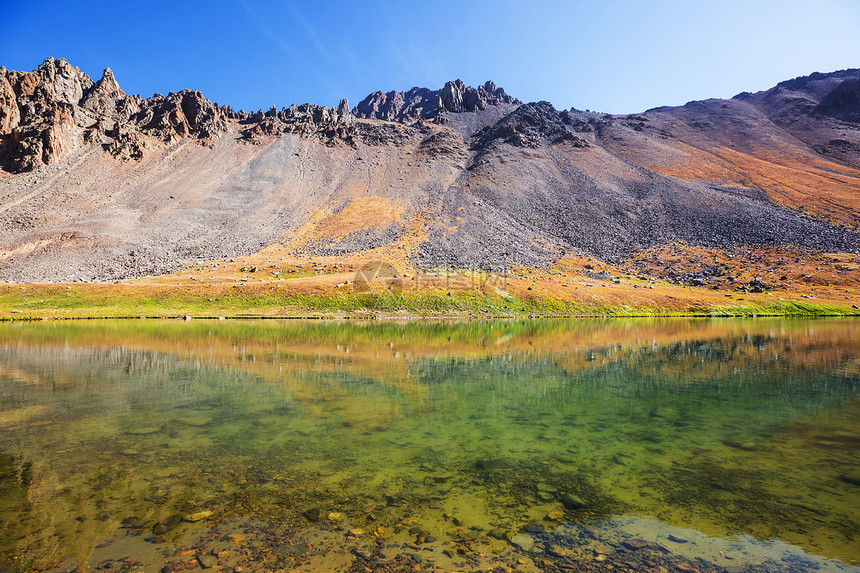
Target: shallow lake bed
{"points": [[717, 445]]}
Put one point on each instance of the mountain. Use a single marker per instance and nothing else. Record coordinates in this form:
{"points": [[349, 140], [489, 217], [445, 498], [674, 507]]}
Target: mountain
{"points": [[96, 184]]}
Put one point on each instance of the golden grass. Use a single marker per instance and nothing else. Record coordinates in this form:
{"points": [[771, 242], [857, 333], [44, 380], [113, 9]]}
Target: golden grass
{"points": [[824, 189]]}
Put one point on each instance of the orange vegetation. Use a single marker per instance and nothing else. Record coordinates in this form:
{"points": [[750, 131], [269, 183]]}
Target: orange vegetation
{"points": [[821, 188]]}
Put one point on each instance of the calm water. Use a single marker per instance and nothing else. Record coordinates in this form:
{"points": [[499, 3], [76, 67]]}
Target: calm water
{"points": [[725, 444]]}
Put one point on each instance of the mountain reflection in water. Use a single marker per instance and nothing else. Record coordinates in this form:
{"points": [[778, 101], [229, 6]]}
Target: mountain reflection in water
{"points": [[461, 437]]}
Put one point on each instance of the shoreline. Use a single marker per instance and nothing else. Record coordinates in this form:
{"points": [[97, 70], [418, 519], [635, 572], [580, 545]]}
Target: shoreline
{"points": [[331, 295], [724, 313]]}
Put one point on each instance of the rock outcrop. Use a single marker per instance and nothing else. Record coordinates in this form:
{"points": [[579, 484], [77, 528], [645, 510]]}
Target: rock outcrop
{"points": [[532, 124], [315, 122], [10, 115], [392, 106], [843, 102], [455, 97], [36, 110], [56, 107], [125, 144], [182, 114]]}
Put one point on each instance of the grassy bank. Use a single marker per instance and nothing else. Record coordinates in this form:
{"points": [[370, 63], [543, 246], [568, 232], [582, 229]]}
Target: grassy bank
{"points": [[118, 300]]}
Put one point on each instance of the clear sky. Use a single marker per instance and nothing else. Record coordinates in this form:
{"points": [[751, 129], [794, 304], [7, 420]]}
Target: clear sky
{"points": [[617, 56]]}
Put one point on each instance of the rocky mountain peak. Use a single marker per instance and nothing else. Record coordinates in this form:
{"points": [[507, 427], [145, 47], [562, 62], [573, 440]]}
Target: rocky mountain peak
{"points": [[454, 97], [36, 110], [56, 107], [108, 84], [492, 182], [58, 79], [106, 97], [45, 112], [458, 97], [343, 108]]}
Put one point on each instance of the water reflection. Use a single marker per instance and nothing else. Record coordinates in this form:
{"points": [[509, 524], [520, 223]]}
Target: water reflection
{"points": [[511, 428]]}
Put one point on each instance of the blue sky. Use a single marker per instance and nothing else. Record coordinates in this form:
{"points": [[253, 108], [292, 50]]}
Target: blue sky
{"points": [[617, 56]]}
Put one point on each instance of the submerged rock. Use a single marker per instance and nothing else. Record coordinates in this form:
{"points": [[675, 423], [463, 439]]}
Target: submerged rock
{"points": [[292, 550], [841, 436], [523, 542], [143, 431], [497, 533], [851, 477], [572, 501], [635, 543], [166, 524], [743, 445], [195, 421], [495, 465], [545, 487], [198, 515], [132, 522]]}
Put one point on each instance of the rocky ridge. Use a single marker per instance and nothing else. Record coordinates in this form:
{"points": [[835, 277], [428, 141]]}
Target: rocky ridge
{"points": [[56, 107], [820, 109], [40, 110]]}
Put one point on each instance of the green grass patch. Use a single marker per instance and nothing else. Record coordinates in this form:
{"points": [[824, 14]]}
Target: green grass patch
{"points": [[102, 301]]}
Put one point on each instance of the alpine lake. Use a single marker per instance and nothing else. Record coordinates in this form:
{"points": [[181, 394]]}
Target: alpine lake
{"points": [[510, 445]]}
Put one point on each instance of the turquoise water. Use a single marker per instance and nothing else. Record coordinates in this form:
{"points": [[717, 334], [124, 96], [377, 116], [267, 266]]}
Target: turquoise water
{"points": [[455, 437]]}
